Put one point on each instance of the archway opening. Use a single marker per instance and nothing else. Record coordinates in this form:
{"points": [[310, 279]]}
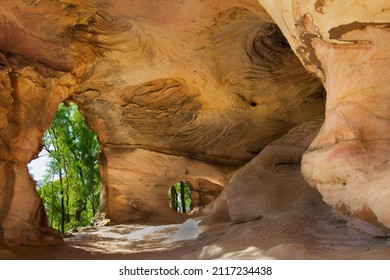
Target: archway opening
{"points": [[197, 195], [179, 196], [67, 170]]}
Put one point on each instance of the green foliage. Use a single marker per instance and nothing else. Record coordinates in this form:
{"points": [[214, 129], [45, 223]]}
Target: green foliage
{"points": [[70, 188], [175, 197]]}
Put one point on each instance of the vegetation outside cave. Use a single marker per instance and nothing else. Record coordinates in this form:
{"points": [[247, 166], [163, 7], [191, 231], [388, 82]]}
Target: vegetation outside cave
{"points": [[179, 196], [70, 187]]}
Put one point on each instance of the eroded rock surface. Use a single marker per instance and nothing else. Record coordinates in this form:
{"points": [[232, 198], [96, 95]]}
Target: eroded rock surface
{"points": [[29, 99], [269, 185], [347, 46], [174, 91], [191, 90]]}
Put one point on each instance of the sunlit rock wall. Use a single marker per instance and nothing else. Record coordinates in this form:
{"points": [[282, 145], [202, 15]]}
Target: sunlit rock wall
{"points": [[212, 87], [346, 44], [29, 99], [175, 90]]}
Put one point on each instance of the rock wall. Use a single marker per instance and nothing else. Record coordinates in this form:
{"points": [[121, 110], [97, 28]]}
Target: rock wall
{"points": [[347, 46], [29, 98], [203, 192], [268, 185], [137, 183], [190, 90], [205, 100]]}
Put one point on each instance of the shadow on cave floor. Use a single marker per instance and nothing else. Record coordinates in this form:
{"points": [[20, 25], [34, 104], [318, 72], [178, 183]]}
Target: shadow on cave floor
{"points": [[309, 230], [293, 238]]}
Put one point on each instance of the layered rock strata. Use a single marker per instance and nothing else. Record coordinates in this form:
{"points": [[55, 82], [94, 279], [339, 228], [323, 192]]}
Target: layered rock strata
{"points": [[347, 46], [29, 99], [189, 90]]}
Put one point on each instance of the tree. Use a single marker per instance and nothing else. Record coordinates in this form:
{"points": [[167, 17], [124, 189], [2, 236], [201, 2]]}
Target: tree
{"points": [[70, 189], [180, 203], [183, 197], [173, 198]]}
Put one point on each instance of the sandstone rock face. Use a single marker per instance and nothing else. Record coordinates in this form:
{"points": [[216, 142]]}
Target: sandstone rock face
{"points": [[174, 90], [29, 99], [270, 184], [191, 90], [347, 46], [200, 91], [137, 181], [204, 192]]}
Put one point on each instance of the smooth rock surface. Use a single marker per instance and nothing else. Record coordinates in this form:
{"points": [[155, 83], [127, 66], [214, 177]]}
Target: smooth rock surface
{"points": [[231, 92], [174, 91], [347, 46]]}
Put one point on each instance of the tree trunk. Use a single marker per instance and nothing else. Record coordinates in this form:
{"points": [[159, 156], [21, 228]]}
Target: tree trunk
{"points": [[183, 198], [52, 204], [80, 208], [65, 165], [173, 198], [62, 205], [92, 189]]}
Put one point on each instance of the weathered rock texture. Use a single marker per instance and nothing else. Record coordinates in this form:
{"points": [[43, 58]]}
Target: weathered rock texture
{"points": [[269, 185], [29, 99], [203, 192], [347, 46], [192, 90], [174, 91]]}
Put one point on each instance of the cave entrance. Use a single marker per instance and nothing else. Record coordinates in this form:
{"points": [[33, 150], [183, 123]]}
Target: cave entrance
{"points": [[197, 195], [66, 170]]}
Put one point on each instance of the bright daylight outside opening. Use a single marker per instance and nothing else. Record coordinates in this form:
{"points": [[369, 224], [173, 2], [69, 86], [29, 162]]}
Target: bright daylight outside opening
{"points": [[67, 172]]}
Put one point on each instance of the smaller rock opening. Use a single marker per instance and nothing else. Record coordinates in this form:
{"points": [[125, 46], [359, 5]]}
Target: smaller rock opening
{"points": [[179, 196], [197, 195]]}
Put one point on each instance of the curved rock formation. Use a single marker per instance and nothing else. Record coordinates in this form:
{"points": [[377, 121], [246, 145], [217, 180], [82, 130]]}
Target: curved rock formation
{"points": [[268, 185], [29, 98], [190, 90], [189, 96], [347, 46]]}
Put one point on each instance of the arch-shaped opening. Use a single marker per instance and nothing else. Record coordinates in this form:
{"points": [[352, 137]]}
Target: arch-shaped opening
{"points": [[67, 170], [197, 194], [179, 196]]}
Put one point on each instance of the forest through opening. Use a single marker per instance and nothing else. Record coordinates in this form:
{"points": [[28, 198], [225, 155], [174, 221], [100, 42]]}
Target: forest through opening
{"points": [[69, 186]]}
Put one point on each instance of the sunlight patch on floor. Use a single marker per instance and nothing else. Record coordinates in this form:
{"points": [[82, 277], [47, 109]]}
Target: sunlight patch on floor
{"points": [[217, 252], [128, 239]]}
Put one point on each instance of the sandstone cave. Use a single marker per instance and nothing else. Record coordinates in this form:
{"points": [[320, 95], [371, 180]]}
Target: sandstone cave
{"points": [[275, 112]]}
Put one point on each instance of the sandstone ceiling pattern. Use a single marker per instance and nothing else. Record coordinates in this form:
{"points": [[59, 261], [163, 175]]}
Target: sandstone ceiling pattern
{"points": [[189, 90]]}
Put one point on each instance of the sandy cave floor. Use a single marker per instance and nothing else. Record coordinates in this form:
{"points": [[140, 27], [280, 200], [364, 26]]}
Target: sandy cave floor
{"points": [[298, 238], [305, 228]]}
